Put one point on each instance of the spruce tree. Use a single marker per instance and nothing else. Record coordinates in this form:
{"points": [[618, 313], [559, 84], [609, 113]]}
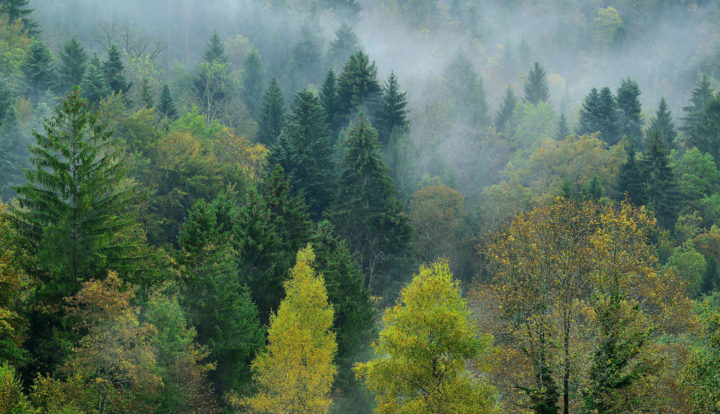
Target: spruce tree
{"points": [[357, 85], [663, 122], [466, 91], [310, 165], [661, 184], [306, 64], [272, 115], [113, 68], [73, 62], [536, 87], [94, 85], [628, 103], [392, 112], [507, 107], [599, 113], [166, 107], [367, 212], [38, 68], [705, 133], [710, 278], [6, 101], [146, 95], [562, 130], [13, 155], [701, 94], [630, 179], [17, 9], [329, 101], [215, 52], [342, 47], [253, 82]]}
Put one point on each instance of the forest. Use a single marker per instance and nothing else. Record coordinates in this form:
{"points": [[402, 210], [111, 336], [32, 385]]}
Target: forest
{"points": [[359, 206]]}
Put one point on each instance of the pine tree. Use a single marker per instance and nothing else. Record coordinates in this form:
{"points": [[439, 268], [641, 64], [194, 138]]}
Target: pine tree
{"points": [[13, 155], [272, 115], [17, 9], [391, 115], [113, 68], [329, 101], [342, 47], [73, 62], [701, 94], [166, 107], [562, 130], [357, 85], [630, 179], [253, 82], [38, 68], [537, 88], [306, 64], [600, 113], [296, 372], [710, 278], [215, 52], [628, 103], [366, 211], [465, 89], [663, 122], [94, 85], [705, 134], [507, 107], [310, 165], [662, 190]]}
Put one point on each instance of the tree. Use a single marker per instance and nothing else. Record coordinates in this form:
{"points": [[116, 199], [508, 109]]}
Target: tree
{"points": [[309, 163], [38, 68], [12, 398], [427, 339], [146, 99], [329, 100], [214, 50], [711, 276], [663, 122], [342, 47], [166, 106], [17, 10], [296, 372], [562, 130], [437, 214], [253, 81], [466, 91], [272, 115], [628, 103], [701, 94], [391, 115], [662, 191], [213, 87], [536, 86], [357, 85], [113, 68], [73, 63], [600, 113], [701, 374], [631, 181], [507, 107], [704, 135], [305, 64], [94, 84], [366, 210], [13, 154]]}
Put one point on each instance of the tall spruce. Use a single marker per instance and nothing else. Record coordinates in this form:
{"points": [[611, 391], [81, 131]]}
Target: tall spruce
{"points": [[38, 69], [562, 130], [705, 132], [94, 85], [599, 113], [329, 101], [391, 115], [357, 85], [661, 184], [628, 103], [13, 155], [113, 68], [663, 122], [253, 82], [166, 106], [537, 88], [630, 179], [367, 212], [305, 65], [272, 115], [466, 91], [504, 115], [145, 100], [342, 47], [214, 51], [701, 94], [18, 9], [73, 62]]}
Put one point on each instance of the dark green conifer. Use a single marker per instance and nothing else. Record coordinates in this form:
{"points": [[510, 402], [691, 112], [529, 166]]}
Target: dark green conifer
{"points": [[166, 107], [17, 9], [392, 112], [536, 87], [630, 179], [710, 278], [272, 115], [701, 94], [465, 89], [253, 82], [507, 107], [113, 68], [357, 85], [13, 155], [562, 130], [661, 184], [599, 113], [663, 122], [73, 62], [342, 47], [38, 68], [628, 103], [705, 132], [94, 85], [215, 52]]}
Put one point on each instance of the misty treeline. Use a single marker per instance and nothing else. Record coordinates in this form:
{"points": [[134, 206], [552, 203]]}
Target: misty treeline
{"points": [[392, 206]]}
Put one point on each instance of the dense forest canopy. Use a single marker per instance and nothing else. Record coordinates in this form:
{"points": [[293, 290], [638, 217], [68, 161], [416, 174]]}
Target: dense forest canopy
{"points": [[355, 206]]}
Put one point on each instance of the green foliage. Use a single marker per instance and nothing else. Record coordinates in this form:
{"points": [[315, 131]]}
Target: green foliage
{"points": [[305, 64], [466, 91], [391, 115], [628, 103], [631, 182], [13, 154], [252, 81], [701, 95], [272, 115], [73, 63], [214, 50], [703, 132], [702, 373], [113, 69], [600, 113], [357, 85], [536, 86], [17, 10], [166, 106], [504, 115], [38, 68], [342, 47], [662, 189], [94, 85], [12, 399], [562, 130], [663, 122], [690, 265], [329, 100]]}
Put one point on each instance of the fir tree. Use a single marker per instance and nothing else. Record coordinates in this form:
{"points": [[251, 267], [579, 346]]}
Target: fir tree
{"points": [[599, 113], [392, 111], [166, 107], [73, 62], [507, 107], [146, 95], [662, 190], [663, 122], [536, 87], [253, 82], [38, 68], [17, 9], [94, 84], [630, 179], [628, 103], [705, 134], [366, 211], [465, 89], [13, 155], [701, 94], [342, 47], [113, 68], [710, 278], [562, 130], [305, 65], [357, 85], [6, 101], [329, 101], [272, 115], [215, 52]]}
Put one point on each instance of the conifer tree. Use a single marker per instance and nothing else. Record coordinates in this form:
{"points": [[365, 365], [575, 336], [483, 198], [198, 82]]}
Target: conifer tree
{"points": [[17, 9], [536, 86], [166, 107], [215, 52], [306, 60], [392, 112], [357, 85], [507, 107], [146, 95], [366, 211], [701, 94], [628, 103], [329, 101], [73, 62], [94, 85], [13, 155], [113, 68], [465, 89], [663, 122], [272, 115], [662, 190], [630, 179], [599, 113], [253, 82], [705, 133], [309, 163], [6, 101], [296, 372], [711, 276], [562, 130], [38, 68], [342, 47]]}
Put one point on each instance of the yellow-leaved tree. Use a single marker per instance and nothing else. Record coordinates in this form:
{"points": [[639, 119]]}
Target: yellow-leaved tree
{"points": [[421, 363], [295, 373]]}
